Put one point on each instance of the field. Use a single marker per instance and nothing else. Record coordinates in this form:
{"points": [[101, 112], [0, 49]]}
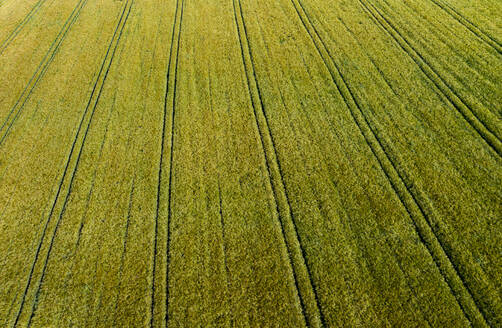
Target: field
{"points": [[250, 163]]}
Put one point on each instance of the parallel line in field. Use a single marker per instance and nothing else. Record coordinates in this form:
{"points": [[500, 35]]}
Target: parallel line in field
{"points": [[408, 198], [295, 251], [169, 97], [224, 248], [171, 159], [86, 208], [126, 230], [333, 182], [424, 310], [469, 25], [40, 70], [157, 201], [131, 197], [312, 186], [223, 235], [101, 78], [93, 181], [124, 249], [5, 207], [12, 35], [155, 248], [348, 218], [99, 291], [117, 41], [379, 70], [286, 107], [43, 234], [127, 8], [11, 307], [484, 293], [220, 198], [460, 105]]}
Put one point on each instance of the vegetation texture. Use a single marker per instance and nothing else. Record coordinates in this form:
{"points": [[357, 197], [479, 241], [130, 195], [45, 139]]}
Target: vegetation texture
{"points": [[250, 163]]}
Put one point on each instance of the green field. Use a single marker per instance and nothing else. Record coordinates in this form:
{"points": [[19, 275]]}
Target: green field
{"points": [[251, 163]]}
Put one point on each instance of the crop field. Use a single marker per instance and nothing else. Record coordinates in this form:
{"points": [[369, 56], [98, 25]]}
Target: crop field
{"points": [[250, 163]]}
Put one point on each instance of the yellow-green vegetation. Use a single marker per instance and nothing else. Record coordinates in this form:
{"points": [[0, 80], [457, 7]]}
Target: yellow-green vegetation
{"points": [[237, 163]]}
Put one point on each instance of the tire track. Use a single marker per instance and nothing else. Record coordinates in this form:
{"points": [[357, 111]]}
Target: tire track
{"points": [[124, 249], [315, 191], [11, 307], [427, 125], [129, 213], [171, 156], [490, 137], [121, 25], [40, 71], [469, 25], [370, 200], [86, 207], [305, 288], [484, 295], [93, 181], [223, 236], [169, 97], [411, 197], [133, 137], [374, 65], [220, 200], [101, 78], [348, 219], [5, 43]]}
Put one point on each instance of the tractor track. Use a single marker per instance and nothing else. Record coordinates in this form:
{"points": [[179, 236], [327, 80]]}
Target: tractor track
{"points": [[408, 197], [101, 79]]}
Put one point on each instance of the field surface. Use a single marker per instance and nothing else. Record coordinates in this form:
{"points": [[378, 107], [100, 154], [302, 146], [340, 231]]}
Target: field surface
{"points": [[250, 163]]}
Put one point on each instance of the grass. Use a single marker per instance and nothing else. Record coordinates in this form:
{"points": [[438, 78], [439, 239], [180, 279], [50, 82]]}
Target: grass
{"points": [[250, 163]]}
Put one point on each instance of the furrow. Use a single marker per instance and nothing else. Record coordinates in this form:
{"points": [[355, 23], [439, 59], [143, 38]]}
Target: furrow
{"points": [[40, 71], [67, 166], [408, 196], [307, 294], [469, 115], [20, 26], [169, 100], [469, 25]]}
